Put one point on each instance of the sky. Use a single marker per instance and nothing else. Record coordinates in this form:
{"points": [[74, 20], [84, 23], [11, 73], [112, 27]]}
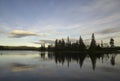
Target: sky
{"points": [[32, 22]]}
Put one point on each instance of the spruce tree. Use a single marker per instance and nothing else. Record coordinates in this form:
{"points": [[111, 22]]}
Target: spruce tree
{"points": [[93, 43], [81, 44], [112, 42]]}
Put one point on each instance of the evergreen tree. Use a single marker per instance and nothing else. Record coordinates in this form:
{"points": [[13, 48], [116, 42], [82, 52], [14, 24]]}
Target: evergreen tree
{"points": [[63, 42], [56, 43], [101, 44], [59, 44], [68, 40], [42, 48], [93, 43], [68, 44], [81, 44], [112, 42]]}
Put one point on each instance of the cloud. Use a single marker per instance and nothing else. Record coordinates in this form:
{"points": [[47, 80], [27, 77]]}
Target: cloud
{"points": [[76, 20], [21, 33], [37, 42], [99, 17], [16, 67], [1, 32], [4, 28], [109, 31], [53, 41], [47, 41]]}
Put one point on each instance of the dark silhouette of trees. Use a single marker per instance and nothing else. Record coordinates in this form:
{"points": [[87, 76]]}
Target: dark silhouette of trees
{"points": [[63, 42], [67, 45], [75, 46], [68, 40], [62, 45], [101, 44], [93, 45], [112, 42], [81, 44], [50, 48], [42, 48], [59, 44], [56, 43]]}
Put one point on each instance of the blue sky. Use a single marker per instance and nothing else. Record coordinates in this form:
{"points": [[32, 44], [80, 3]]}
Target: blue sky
{"points": [[30, 22]]}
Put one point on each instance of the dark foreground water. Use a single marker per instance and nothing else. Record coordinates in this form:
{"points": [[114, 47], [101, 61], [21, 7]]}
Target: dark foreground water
{"points": [[49, 66]]}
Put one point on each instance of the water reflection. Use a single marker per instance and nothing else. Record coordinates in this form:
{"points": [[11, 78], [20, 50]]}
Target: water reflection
{"points": [[20, 64], [113, 59], [79, 58], [49, 66], [17, 67]]}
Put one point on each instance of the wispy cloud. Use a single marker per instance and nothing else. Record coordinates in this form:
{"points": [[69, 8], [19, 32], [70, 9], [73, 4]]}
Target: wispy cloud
{"points": [[64, 18], [21, 33], [44, 42], [16, 67], [47, 41], [24, 33], [52, 41], [109, 30]]}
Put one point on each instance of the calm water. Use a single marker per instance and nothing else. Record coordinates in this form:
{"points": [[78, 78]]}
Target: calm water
{"points": [[49, 66]]}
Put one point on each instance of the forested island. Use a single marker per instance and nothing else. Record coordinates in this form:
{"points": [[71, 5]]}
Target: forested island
{"points": [[61, 45]]}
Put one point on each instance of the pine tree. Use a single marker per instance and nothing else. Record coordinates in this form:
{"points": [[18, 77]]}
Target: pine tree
{"points": [[63, 42], [101, 44], [93, 43], [112, 42], [56, 43], [81, 44], [68, 40]]}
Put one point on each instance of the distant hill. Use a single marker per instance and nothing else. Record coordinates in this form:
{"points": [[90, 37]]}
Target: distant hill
{"points": [[18, 48]]}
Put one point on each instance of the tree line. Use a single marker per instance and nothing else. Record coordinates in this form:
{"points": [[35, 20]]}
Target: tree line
{"points": [[79, 45], [62, 45]]}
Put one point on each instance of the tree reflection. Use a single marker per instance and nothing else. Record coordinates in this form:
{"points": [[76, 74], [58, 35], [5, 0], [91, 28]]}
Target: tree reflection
{"points": [[79, 58], [113, 60]]}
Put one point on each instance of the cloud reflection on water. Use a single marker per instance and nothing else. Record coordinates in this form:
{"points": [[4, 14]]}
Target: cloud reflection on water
{"points": [[16, 67]]}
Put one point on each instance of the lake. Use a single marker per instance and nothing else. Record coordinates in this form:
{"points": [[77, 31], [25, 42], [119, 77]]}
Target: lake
{"points": [[51, 66]]}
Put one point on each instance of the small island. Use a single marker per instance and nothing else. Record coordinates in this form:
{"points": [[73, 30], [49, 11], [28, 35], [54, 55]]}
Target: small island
{"points": [[68, 46]]}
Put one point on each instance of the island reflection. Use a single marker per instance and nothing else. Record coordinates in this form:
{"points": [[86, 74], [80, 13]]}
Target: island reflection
{"points": [[38, 65], [79, 58]]}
